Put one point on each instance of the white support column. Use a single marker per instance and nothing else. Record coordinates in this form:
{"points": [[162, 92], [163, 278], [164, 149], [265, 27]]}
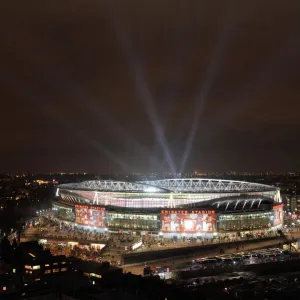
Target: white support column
{"points": [[96, 198]]}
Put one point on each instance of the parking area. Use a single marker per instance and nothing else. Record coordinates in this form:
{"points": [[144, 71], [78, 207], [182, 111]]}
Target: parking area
{"points": [[243, 258]]}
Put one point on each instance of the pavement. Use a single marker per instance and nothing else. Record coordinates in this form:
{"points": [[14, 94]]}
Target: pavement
{"points": [[245, 246], [138, 268]]}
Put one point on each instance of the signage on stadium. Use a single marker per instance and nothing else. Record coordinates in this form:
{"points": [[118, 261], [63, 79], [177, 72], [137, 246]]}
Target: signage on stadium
{"points": [[181, 221], [278, 215], [90, 216], [187, 211], [278, 206], [89, 207]]}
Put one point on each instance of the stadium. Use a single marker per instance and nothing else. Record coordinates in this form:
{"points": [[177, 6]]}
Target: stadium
{"points": [[171, 207]]}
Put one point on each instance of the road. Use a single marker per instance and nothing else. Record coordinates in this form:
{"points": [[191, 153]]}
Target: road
{"points": [[246, 246]]}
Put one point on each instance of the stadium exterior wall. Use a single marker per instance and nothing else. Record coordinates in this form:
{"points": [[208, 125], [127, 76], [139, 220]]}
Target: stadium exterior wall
{"points": [[175, 207]]}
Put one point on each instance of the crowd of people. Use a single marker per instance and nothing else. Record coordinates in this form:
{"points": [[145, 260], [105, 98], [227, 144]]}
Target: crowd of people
{"points": [[155, 243], [49, 227], [87, 253]]}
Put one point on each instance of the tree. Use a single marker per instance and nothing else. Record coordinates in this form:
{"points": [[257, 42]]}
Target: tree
{"points": [[6, 249], [14, 244]]}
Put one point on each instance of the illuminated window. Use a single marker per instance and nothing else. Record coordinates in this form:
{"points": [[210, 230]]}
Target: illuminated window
{"points": [[14, 270], [36, 267], [4, 288], [55, 270], [55, 264], [28, 267], [63, 269], [63, 262], [92, 275], [47, 271], [47, 265], [37, 279]]}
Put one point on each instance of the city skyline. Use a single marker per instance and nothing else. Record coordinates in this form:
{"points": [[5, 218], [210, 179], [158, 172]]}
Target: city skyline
{"points": [[109, 87]]}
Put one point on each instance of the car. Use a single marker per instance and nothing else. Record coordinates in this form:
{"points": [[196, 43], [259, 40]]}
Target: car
{"points": [[227, 261], [237, 260], [246, 259], [218, 259], [240, 255], [254, 259], [197, 267], [285, 254], [199, 260], [269, 257], [210, 263]]}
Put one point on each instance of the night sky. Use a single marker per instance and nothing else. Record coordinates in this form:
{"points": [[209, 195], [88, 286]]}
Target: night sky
{"points": [[140, 86]]}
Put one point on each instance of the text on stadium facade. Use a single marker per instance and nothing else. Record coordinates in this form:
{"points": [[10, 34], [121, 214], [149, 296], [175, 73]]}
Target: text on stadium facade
{"points": [[187, 212], [278, 206], [89, 207]]}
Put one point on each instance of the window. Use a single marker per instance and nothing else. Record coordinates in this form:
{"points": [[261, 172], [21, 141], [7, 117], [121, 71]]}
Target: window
{"points": [[95, 275], [55, 264], [63, 262], [92, 275], [37, 279], [28, 267], [47, 271], [55, 270], [244, 221], [47, 265], [63, 269], [36, 267], [135, 221], [14, 270], [4, 288]]}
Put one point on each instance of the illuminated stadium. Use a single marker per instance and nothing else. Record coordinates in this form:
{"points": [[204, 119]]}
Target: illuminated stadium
{"points": [[170, 207]]}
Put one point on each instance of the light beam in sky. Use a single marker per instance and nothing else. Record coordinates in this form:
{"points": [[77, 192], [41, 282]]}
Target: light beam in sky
{"points": [[207, 84], [142, 88]]}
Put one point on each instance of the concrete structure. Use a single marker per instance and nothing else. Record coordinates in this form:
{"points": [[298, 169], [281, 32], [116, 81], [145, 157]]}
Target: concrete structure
{"points": [[170, 207]]}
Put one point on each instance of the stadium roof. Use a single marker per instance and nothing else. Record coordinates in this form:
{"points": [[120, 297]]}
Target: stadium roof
{"points": [[180, 185], [112, 186]]}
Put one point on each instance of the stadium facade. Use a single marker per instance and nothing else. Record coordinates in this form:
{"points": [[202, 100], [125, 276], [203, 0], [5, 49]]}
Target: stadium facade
{"points": [[171, 207]]}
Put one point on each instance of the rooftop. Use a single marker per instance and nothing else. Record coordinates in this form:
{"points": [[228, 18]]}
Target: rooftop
{"points": [[177, 185]]}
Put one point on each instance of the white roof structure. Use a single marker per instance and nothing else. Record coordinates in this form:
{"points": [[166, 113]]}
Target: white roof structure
{"points": [[182, 185], [171, 193]]}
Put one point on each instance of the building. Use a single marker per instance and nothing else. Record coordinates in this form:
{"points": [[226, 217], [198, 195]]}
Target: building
{"points": [[34, 264], [6, 284], [171, 207], [96, 271]]}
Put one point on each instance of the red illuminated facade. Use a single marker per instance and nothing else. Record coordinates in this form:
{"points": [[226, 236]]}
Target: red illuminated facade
{"points": [[184, 222], [193, 206], [90, 216]]}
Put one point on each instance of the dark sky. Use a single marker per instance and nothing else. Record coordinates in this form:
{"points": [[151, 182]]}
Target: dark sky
{"points": [[99, 86]]}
